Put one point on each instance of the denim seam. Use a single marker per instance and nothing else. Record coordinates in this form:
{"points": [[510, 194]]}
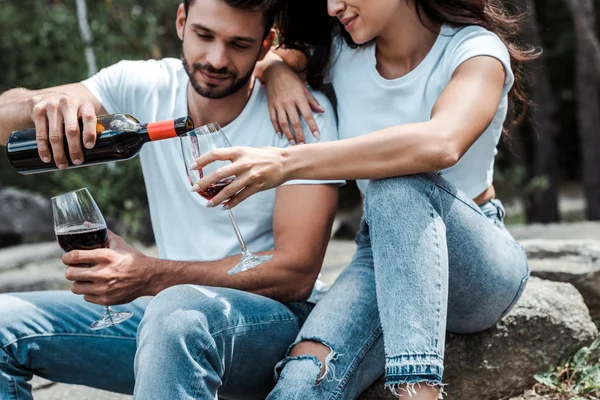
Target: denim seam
{"points": [[439, 271], [66, 334], [357, 360], [4, 365], [233, 327], [478, 211]]}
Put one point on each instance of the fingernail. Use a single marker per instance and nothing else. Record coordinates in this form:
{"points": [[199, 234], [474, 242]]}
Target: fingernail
{"points": [[46, 159], [210, 204], [195, 188], [62, 166], [89, 145], [293, 142], [77, 161], [317, 135], [225, 206], [194, 165], [300, 143], [279, 133]]}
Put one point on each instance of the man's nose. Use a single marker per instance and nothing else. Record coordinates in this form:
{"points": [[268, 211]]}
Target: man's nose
{"points": [[217, 56]]}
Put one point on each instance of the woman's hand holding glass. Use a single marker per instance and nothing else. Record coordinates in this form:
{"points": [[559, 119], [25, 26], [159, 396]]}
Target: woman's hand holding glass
{"points": [[255, 170]]}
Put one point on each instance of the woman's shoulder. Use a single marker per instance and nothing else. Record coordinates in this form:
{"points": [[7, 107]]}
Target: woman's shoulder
{"points": [[470, 35]]}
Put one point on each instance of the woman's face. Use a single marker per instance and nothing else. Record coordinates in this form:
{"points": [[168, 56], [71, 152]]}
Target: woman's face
{"points": [[364, 20]]}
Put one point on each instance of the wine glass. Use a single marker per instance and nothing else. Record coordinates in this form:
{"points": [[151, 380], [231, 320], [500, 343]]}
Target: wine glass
{"points": [[79, 225], [202, 140]]}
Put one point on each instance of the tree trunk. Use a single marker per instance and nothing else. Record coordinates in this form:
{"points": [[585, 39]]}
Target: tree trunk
{"points": [[86, 36], [588, 108], [542, 201]]}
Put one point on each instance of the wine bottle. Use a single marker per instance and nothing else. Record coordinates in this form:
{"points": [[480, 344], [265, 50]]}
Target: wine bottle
{"points": [[118, 137]]}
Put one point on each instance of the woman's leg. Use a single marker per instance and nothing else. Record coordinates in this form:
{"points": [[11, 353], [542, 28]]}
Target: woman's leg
{"points": [[440, 264], [339, 350]]}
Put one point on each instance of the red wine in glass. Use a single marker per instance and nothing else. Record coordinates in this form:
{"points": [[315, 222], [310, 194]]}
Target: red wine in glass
{"points": [[215, 188], [79, 225], [87, 236]]}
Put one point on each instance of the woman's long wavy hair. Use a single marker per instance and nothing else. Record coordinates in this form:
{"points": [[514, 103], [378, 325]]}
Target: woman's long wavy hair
{"points": [[305, 26]]}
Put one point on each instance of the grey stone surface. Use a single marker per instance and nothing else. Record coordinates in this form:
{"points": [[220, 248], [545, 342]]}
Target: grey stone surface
{"points": [[17, 256], [549, 322], [26, 214], [573, 261]]}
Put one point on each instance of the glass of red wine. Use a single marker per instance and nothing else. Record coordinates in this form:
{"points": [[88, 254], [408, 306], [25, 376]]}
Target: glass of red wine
{"points": [[200, 141], [79, 225]]}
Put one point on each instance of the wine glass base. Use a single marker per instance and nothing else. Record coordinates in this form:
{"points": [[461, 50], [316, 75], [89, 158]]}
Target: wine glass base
{"points": [[109, 319], [247, 262]]}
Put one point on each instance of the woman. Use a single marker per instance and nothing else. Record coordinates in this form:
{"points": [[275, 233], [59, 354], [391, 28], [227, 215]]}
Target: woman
{"points": [[421, 103]]}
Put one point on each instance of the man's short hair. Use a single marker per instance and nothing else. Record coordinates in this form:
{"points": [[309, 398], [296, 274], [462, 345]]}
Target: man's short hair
{"points": [[269, 9]]}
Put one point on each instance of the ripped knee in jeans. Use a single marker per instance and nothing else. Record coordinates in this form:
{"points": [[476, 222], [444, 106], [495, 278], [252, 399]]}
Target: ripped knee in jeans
{"points": [[320, 352]]}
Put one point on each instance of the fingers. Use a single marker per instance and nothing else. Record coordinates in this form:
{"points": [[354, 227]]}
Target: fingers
{"points": [[241, 196], [92, 257], [284, 123], [314, 104], [216, 176], [88, 116], [229, 191], [310, 120], [41, 133], [217, 154], [55, 135], [274, 121], [72, 133], [296, 123]]}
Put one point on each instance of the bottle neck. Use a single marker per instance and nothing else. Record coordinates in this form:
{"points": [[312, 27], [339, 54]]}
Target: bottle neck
{"points": [[168, 129]]}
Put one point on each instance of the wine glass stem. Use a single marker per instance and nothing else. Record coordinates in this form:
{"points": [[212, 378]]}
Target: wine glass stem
{"points": [[237, 232]]}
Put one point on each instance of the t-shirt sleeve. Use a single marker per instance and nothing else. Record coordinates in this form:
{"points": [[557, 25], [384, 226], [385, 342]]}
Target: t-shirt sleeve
{"points": [[475, 41], [328, 129], [117, 86]]}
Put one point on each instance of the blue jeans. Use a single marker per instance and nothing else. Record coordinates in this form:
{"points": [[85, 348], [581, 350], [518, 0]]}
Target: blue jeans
{"points": [[192, 342], [429, 260]]}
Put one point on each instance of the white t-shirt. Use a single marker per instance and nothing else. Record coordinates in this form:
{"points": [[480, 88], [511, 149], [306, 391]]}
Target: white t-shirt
{"points": [[367, 102], [184, 228]]}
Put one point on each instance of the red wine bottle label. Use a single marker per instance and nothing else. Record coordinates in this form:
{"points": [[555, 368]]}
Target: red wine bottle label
{"points": [[161, 130]]}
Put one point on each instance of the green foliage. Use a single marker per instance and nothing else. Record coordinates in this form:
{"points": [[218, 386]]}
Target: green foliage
{"points": [[41, 47], [577, 378]]}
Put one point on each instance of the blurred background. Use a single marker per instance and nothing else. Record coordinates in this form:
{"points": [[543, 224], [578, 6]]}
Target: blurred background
{"points": [[548, 169]]}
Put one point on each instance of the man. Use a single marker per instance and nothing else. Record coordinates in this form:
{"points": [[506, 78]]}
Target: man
{"points": [[204, 333]]}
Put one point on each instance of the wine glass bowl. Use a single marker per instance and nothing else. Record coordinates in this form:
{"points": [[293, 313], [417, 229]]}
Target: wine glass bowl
{"points": [[79, 225], [200, 141]]}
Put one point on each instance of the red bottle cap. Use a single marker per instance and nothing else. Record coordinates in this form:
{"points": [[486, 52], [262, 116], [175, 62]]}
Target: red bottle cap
{"points": [[161, 130]]}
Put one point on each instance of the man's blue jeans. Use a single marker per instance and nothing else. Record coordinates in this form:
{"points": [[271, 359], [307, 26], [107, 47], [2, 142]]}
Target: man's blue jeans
{"points": [[429, 260], [192, 341]]}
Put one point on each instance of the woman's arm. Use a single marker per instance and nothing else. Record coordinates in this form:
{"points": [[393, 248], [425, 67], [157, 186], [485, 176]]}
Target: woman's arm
{"points": [[459, 117]]}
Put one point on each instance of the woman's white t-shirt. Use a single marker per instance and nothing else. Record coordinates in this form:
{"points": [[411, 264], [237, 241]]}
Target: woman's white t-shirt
{"points": [[367, 102]]}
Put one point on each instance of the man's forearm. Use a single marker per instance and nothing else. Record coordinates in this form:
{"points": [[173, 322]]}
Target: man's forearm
{"points": [[15, 112], [284, 277]]}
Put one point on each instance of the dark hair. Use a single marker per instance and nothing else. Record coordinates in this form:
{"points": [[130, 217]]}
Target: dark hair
{"points": [[315, 42], [269, 9]]}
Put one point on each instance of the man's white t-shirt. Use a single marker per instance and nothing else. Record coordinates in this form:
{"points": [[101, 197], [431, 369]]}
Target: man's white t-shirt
{"points": [[367, 102], [184, 228]]}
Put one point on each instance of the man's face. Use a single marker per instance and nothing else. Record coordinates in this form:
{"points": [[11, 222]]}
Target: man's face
{"points": [[221, 45]]}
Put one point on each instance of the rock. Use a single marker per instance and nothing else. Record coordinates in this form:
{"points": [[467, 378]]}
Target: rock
{"points": [[549, 322], [577, 230], [18, 256], [40, 275], [24, 214], [573, 261]]}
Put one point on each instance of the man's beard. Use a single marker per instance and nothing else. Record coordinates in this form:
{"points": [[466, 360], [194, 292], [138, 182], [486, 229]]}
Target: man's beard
{"points": [[208, 90]]}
